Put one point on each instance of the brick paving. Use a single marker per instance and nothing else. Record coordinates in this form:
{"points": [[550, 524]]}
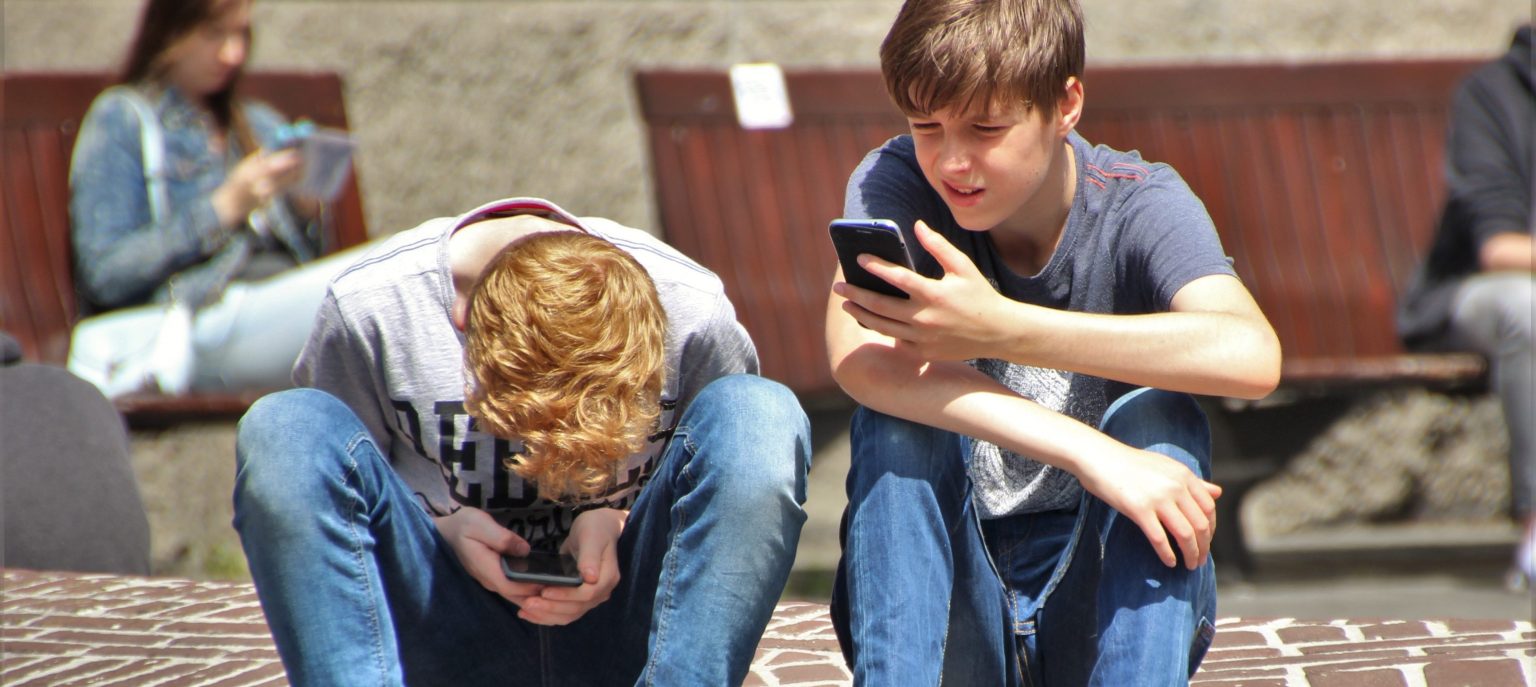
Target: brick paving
{"points": [[65, 629]]}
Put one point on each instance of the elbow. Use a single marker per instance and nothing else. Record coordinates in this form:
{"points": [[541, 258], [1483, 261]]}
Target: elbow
{"points": [[1260, 375], [102, 291], [93, 287], [865, 374], [852, 375]]}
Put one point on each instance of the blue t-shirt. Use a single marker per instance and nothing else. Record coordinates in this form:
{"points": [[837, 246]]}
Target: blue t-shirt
{"points": [[1135, 235]]}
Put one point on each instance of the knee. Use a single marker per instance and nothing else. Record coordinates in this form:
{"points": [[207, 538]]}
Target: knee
{"points": [[885, 446], [759, 410], [759, 424], [1151, 419], [1521, 311], [281, 439]]}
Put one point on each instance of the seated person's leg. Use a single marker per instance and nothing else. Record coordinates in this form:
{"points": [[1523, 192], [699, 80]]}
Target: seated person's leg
{"points": [[1154, 623], [110, 350], [915, 596], [251, 336], [708, 545], [1492, 314], [357, 585]]}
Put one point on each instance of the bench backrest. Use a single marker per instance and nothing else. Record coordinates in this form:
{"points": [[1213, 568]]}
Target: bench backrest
{"points": [[1323, 179], [40, 115]]}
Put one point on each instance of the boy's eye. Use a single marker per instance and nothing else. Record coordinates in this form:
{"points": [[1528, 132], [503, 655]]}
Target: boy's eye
{"points": [[923, 126], [990, 129]]}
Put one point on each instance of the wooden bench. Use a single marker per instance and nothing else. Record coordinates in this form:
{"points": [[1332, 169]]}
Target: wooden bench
{"points": [[1324, 181], [40, 114]]}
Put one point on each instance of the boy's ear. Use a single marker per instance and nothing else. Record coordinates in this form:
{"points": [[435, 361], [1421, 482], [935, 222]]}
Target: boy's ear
{"points": [[1070, 107], [459, 315]]}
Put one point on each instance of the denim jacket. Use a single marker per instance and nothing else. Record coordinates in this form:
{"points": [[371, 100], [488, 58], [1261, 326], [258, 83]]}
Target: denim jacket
{"points": [[122, 256]]}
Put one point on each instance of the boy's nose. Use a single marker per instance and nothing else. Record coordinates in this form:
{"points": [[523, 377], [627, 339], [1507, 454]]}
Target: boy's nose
{"points": [[954, 161]]}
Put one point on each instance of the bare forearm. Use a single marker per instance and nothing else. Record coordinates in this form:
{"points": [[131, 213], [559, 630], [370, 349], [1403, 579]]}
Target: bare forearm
{"points": [[952, 396], [957, 398], [1216, 353]]}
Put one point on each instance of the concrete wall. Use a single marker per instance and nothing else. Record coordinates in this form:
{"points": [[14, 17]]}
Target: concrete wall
{"points": [[455, 102]]}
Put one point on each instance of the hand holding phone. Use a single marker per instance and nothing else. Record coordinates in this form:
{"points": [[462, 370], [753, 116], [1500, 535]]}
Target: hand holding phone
{"points": [[554, 569], [878, 237], [327, 156]]}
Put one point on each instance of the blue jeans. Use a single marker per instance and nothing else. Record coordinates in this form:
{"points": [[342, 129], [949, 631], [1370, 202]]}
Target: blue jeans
{"points": [[927, 590], [360, 589]]}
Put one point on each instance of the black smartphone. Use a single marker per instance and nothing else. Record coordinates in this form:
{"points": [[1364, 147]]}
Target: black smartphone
{"points": [[878, 237], [555, 569]]}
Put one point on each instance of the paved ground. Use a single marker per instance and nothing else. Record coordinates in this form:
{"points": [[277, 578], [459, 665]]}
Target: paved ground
{"points": [[62, 629], [1313, 615]]}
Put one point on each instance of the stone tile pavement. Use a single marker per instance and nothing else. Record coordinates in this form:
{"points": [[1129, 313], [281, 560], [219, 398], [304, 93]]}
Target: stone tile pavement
{"points": [[67, 629]]}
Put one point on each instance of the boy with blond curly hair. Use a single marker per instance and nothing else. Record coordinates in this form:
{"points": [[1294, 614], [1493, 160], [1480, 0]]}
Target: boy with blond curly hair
{"points": [[510, 380], [1028, 500]]}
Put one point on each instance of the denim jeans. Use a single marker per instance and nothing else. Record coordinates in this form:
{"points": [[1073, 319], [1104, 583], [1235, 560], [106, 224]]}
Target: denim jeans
{"points": [[927, 591], [360, 589]]}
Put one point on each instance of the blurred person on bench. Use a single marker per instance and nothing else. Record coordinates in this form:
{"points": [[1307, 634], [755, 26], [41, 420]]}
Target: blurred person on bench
{"points": [[1028, 499], [199, 268], [1474, 290], [509, 380]]}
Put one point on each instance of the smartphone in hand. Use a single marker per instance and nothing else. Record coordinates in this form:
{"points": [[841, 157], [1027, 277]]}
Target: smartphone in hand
{"points": [[554, 569], [878, 237]]}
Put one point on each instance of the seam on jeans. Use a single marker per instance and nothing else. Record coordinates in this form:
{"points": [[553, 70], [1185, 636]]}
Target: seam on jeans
{"points": [[349, 480], [949, 601], [1011, 601], [1007, 548], [1065, 561], [661, 606]]}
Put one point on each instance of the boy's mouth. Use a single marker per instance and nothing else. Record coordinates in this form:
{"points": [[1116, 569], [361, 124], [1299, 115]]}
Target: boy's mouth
{"points": [[963, 195]]}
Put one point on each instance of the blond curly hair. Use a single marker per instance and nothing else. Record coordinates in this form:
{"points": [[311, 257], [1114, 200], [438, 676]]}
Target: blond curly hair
{"points": [[566, 351]]}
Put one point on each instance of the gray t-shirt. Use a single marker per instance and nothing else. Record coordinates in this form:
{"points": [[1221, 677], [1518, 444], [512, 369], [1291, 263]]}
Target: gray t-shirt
{"points": [[1136, 234], [384, 343]]}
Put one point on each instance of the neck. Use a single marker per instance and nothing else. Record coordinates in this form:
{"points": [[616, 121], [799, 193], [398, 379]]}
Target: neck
{"points": [[1027, 240], [475, 245]]}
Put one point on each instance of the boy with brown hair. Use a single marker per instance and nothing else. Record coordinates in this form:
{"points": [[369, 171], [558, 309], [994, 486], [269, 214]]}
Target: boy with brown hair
{"points": [[510, 380], [1028, 500]]}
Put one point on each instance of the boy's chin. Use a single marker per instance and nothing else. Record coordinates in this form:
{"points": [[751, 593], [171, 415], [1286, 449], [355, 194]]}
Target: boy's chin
{"points": [[971, 221]]}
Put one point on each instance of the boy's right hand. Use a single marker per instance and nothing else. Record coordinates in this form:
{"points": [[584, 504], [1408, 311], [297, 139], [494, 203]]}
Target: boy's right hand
{"points": [[954, 317], [480, 542], [1162, 496]]}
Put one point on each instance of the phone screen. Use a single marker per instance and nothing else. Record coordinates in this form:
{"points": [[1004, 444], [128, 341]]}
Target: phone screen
{"points": [[878, 237], [542, 568]]}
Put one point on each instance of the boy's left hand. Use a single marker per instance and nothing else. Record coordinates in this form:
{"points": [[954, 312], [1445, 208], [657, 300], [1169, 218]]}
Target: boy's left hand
{"points": [[954, 317], [594, 542]]}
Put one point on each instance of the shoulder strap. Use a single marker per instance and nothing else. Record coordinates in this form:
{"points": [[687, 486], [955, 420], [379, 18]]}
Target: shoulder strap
{"points": [[152, 139]]}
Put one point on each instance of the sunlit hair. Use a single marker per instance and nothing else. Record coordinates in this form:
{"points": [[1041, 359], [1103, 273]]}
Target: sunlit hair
{"points": [[566, 351], [981, 57], [162, 24]]}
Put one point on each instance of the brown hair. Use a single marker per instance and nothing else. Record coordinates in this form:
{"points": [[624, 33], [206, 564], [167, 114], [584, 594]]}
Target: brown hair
{"points": [[975, 55], [565, 349], [162, 24]]}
